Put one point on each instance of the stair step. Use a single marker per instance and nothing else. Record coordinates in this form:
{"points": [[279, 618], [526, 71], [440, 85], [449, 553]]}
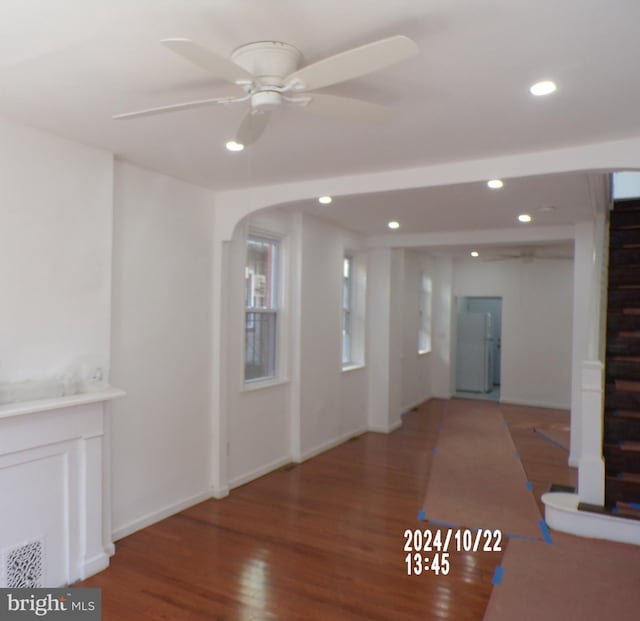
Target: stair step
{"points": [[619, 489], [627, 509], [618, 428], [623, 298], [627, 204], [621, 345], [628, 414], [617, 460], [622, 370], [626, 385], [624, 256], [618, 399], [621, 238], [619, 322], [624, 275], [624, 218]]}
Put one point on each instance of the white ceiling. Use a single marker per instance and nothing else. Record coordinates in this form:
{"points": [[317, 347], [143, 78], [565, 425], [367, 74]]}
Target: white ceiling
{"points": [[67, 66]]}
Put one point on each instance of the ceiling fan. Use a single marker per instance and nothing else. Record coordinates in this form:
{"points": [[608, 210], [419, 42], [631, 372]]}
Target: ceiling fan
{"points": [[269, 73]]}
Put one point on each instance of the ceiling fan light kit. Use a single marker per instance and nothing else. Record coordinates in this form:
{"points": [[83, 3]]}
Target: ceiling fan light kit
{"points": [[270, 74]]}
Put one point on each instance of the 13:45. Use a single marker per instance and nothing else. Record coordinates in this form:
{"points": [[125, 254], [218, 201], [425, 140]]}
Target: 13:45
{"points": [[417, 564]]}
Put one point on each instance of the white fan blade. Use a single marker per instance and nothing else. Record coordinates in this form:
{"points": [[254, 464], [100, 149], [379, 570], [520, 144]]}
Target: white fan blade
{"points": [[173, 107], [252, 127], [346, 108], [207, 60], [354, 63]]}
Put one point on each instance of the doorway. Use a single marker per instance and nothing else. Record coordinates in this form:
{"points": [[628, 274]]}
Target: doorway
{"points": [[478, 366]]}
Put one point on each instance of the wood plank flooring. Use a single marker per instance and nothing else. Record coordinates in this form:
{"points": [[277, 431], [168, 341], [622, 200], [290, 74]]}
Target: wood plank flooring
{"points": [[320, 541]]}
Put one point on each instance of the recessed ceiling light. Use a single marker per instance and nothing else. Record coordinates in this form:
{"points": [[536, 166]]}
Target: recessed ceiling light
{"points": [[475, 253], [232, 145], [495, 184], [546, 87], [325, 200], [393, 224], [524, 217]]}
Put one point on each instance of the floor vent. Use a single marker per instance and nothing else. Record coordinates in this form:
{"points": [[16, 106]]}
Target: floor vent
{"points": [[23, 566]]}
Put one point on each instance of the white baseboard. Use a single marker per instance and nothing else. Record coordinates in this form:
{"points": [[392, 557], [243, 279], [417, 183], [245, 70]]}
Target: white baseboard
{"points": [[259, 472], [534, 403], [94, 565], [392, 427], [221, 493], [408, 408], [326, 446], [156, 516]]}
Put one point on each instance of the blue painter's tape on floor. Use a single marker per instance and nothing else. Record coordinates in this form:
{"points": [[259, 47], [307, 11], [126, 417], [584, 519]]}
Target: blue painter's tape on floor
{"points": [[497, 575], [517, 455], [615, 510], [635, 505], [422, 515], [435, 451], [546, 535], [550, 439], [445, 524], [529, 485]]}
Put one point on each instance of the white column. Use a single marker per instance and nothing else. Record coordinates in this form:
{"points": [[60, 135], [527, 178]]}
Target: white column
{"points": [[218, 414], [591, 466], [385, 277], [378, 337], [583, 268], [442, 369]]}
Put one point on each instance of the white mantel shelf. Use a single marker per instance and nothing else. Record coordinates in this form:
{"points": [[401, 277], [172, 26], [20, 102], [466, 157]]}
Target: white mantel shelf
{"points": [[42, 405]]}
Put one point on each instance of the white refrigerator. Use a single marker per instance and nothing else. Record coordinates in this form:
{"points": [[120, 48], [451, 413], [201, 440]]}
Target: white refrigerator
{"points": [[474, 368]]}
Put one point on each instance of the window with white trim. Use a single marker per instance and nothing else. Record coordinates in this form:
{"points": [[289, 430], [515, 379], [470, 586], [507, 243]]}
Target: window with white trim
{"points": [[262, 275], [347, 310], [424, 315]]}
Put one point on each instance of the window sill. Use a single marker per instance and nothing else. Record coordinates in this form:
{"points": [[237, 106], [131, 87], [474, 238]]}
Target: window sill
{"points": [[424, 353], [260, 384], [352, 367]]}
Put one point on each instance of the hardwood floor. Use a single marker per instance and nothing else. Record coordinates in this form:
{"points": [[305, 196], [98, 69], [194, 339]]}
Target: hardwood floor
{"points": [[319, 541]]}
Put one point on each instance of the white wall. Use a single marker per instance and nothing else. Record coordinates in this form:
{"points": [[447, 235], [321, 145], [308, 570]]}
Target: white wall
{"points": [[317, 405], [161, 339], [258, 420], [55, 254], [333, 401], [536, 324], [416, 368]]}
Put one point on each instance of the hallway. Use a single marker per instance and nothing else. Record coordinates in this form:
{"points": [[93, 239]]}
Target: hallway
{"points": [[322, 540]]}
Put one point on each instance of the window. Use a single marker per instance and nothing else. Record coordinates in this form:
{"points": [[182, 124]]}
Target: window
{"points": [[347, 310], [261, 308], [424, 315]]}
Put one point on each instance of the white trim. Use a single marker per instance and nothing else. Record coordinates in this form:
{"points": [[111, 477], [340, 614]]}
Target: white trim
{"points": [[392, 427], [561, 513], [353, 367], [220, 493], [534, 403], [267, 383], [94, 565], [156, 516], [56, 403], [327, 446], [258, 472]]}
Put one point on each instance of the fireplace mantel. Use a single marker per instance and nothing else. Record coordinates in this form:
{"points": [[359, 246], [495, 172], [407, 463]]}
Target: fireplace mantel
{"points": [[55, 489]]}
